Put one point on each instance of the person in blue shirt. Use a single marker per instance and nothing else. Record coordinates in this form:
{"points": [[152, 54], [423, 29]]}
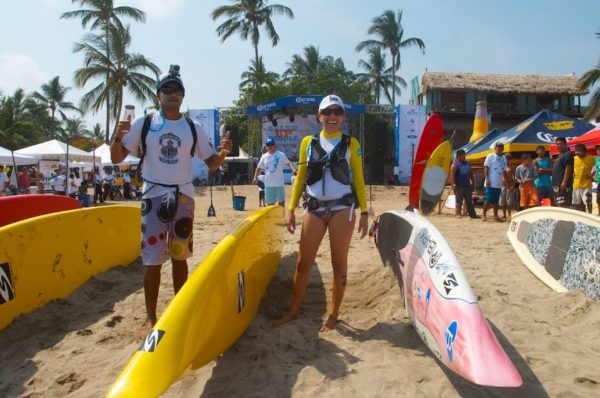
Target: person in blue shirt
{"points": [[543, 168]]}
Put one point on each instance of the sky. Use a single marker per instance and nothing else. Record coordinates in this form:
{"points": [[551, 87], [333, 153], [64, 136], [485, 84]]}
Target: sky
{"points": [[539, 37]]}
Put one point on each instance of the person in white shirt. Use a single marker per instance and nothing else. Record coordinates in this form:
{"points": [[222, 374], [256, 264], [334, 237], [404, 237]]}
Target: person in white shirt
{"points": [[58, 184], [126, 185], [3, 181], [168, 193], [272, 163], [494, 170]]}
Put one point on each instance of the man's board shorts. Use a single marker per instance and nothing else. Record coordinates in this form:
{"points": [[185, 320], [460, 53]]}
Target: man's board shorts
{"points": [[582, 195], [507, 197], [274, 195], [529, 195], [167, 228], [491, 195]]}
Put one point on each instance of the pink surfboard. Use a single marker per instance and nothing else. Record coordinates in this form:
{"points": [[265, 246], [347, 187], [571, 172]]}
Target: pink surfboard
{"points": [[21, 207], [439, 301], [431, 137]]}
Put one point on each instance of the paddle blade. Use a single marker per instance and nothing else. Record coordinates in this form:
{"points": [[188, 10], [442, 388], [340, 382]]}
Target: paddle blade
{"points": [[211, 211]]}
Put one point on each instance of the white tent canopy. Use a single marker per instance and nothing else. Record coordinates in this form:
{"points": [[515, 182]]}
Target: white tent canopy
{"points": [[7, 158], [103, 151], [56, 150]]}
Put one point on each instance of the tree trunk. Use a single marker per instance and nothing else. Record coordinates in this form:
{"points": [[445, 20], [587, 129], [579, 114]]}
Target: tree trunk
{"points": [[107, 85]]}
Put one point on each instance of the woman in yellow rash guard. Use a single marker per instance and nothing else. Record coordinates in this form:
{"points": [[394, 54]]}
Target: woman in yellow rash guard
{"points": [[330, 198]]}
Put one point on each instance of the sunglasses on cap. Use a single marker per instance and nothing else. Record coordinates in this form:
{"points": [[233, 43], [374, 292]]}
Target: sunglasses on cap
{"points": [[335, 111], [166, 90]]}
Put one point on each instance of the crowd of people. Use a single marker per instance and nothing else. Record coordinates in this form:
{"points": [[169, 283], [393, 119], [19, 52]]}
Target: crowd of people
{"points": [[567, 181]]}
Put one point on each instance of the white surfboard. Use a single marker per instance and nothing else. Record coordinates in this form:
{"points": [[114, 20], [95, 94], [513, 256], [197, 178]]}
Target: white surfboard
{"points": [[560, 246]]}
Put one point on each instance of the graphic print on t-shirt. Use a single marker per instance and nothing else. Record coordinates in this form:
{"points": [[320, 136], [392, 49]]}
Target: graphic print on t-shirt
{"points": [[170, 144]]}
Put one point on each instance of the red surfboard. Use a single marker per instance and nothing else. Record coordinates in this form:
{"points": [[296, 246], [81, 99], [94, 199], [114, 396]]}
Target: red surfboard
{"points": [[432, 135], [21, 207]]}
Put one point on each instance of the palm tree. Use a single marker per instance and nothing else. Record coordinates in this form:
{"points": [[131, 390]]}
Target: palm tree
{"points": [[102, 14], [379, 77], [53, 98], [74, 130], [589, 79], [258, 75], [19, 120], [304, 67], [246, 17], [125, 70], [389, 32]]}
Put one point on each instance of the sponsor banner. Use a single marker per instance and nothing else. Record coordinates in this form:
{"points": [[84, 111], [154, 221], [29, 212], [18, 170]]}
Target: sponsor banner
{"points": [[288, 135], [209, 120], [410, 120]]}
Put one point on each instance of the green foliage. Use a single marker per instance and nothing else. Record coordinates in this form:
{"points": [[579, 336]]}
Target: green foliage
{"points": [[587, 81]]}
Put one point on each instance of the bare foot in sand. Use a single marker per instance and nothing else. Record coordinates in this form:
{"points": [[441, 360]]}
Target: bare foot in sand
{"points": [[330, 324], [284, 320], [146, 328]]}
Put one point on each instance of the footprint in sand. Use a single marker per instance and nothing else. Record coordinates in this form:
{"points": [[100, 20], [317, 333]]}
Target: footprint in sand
{"points": [[113, 321]]}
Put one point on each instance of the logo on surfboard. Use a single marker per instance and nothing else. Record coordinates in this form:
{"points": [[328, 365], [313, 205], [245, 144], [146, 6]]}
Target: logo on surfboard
{"points": [[152, 340], [450, 336], [7, 289], [241, 291]]}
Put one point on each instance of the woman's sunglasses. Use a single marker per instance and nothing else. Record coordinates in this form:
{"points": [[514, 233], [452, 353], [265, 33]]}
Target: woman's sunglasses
{"points": [[171, 90], [335, 111]]}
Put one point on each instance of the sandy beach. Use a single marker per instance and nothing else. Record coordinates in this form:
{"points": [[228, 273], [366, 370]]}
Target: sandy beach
{"points": [[76, 347]]}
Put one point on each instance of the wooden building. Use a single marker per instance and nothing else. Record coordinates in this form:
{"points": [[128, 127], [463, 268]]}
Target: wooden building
{"points": [[510, 98]]}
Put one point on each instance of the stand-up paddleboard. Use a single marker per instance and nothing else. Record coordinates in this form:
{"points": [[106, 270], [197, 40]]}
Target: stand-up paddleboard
{"points": [[212, 309], [559, 246], [47, 257], [21, 207], [430, 139], [435, 177], [439, 301]]}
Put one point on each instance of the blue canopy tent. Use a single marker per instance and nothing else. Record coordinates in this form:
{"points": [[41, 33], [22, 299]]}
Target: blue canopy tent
{"points": [[540, 129], [298, 101]]}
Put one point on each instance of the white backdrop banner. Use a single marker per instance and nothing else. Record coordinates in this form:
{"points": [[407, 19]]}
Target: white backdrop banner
{"points": [[209, 120], [288, 135], [410, 120]]}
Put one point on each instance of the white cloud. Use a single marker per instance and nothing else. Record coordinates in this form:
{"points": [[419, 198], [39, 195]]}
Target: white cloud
{"points": [[157, 8], [19, 70]]}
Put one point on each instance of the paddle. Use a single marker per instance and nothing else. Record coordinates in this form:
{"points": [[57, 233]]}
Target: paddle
{"points": [[211, 209]]}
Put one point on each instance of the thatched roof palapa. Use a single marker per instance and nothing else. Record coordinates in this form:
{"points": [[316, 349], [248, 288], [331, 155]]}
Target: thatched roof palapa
{"points": [[521, 84]]}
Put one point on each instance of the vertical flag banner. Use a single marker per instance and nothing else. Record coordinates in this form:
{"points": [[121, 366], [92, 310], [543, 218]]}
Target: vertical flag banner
{"points": [[209, 120], [410, 120]]}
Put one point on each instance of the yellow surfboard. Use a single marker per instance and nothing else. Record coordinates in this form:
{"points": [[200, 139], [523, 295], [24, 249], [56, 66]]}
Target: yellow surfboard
{"points": [[48, 257], [212, 309], [435, 177]]}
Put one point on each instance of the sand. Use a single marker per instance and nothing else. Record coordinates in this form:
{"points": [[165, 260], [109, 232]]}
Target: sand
{"points": [[76, 347]]}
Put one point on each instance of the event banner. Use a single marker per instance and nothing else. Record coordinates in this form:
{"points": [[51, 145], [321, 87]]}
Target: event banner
{"points": [[209, 120], [410, 120], [288, 135]]}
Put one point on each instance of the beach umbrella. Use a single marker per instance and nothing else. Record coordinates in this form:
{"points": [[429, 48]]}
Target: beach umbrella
{"points": [[589, 139], [540, 129]]}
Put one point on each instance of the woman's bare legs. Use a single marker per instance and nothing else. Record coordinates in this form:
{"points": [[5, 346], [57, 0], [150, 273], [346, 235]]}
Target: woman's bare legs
{"points": [[313, 230], [340, 235]]}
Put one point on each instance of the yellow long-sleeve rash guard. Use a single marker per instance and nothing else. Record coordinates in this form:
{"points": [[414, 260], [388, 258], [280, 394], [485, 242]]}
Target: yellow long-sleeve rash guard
{"points": [[358, 180]]}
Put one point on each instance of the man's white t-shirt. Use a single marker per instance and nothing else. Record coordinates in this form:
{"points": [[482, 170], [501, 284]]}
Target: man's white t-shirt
{"points": [[58, 183], [273, 165], [496, 165], [168, 146]]}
